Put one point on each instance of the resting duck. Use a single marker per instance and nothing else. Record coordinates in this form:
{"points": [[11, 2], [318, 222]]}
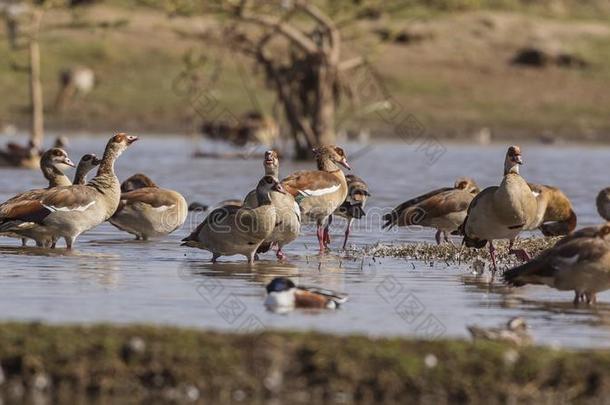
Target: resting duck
{"points": [[68, 211], [284, 295], [288, 214], [148, 211], [353, 206], [443, 209], [579, 262], [603, 203], [514, 332], [53, 163], [555, 215], [501, 212], [234, 230], [319, 193]]}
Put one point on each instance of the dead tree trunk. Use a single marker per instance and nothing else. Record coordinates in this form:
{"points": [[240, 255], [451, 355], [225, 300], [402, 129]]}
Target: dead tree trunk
{"points": [[36, 99]]}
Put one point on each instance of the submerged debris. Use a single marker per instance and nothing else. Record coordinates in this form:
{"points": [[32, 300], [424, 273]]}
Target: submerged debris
{"points": [[455, 254]]}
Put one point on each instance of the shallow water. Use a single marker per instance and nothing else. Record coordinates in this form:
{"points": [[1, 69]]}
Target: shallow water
{"points": [[112, 278]]}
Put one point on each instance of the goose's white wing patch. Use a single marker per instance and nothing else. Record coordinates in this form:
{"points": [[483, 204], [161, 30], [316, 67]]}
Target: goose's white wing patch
{"points": [[81, 208], [320, 192], [536, 193]]}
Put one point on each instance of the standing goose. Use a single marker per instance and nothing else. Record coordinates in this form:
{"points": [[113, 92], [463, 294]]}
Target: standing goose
{"points": [[53, 163], [233, 230], [501, 212], [320, 192], [443, 209], [149, 211], [555, 215], [68, 211], [579, 262], [353, 206], [288, 214]]}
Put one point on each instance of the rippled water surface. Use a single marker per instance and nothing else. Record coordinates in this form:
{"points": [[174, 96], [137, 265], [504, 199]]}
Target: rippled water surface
{"points": [[111, 277]]}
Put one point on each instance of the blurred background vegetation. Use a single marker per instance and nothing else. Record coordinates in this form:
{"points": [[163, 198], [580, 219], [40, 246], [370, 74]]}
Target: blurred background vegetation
{"points": [[535, 69]]}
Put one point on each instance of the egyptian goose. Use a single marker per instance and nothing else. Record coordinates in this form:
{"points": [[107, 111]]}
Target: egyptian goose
{"points": [[234, 230], [501, 212], [579, 262], [555, 215], [514, 332], [319, 193], [68, 211], [603, 203], [87, 163], [443, 209], [288, 213], [283, 295], [149, 211], [353, 206], [53, 163]]}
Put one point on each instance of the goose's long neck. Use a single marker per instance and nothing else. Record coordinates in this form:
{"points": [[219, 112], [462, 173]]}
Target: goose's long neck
{"points": [[106, 178], [510, 167], [327, 165], [55, 176], [273, 171], [263, 197], [81, 175]]}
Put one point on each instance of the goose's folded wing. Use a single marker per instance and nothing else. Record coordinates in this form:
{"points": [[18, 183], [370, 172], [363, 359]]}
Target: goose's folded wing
{"points": [[72, 198], [396, 212], [157, 198], [311, 183]]}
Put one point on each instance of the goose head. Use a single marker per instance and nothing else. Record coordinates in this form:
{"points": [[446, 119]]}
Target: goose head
{"points": [[330, 154], [268, 184], [56, 158], [88, 162], [118, 143], [513, 160], [467, 184], [271, 162]]}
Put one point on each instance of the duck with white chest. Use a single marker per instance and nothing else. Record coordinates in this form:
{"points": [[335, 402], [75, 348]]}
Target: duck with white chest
{"points": [[283, 295]]}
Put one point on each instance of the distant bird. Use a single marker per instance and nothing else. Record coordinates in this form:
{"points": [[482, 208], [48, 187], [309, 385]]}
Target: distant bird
{"points": [[78, 80], [234, 230], [66, 212], [288, 213], [515, 332], [16, 155], [353, 206], [555, 215], [443, 209], [320, 192], [149, 211], [603, 203], [501, 212], [579, 262], [284, 295]]}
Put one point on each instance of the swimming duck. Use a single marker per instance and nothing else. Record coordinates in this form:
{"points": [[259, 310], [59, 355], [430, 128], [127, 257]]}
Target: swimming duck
{"points": [[555, 215], [288, 214], [443, 209], [353, 206], [232, 230], [514, 332], [149, 211], [68, 211], [579, 262], [501, 212], [320, 192], [284, 295]]}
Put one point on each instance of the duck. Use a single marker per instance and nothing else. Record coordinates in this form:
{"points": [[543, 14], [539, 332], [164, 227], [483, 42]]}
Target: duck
{"points": [[320, 192], [68, 211], [283, 295], [149, 211], [555, 215], [602, 203], [53, 163], [353, 206], [580, 262], [237, 230], [501, 212], [443, 209], [515, 332], [288, 212]]}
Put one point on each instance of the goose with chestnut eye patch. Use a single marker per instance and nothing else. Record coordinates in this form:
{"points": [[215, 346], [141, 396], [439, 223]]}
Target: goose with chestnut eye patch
{"points": [[67, 211], [148, 211], [320, 192], [443, 209], [238, 230], [288, 213], [501, 212]]}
